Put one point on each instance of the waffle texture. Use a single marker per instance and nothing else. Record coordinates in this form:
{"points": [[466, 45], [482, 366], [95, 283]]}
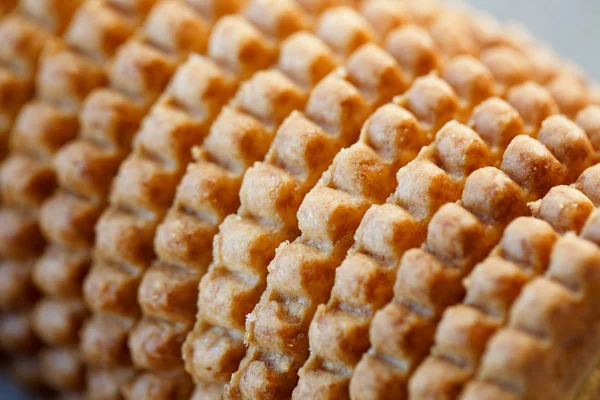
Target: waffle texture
{"points": [[302, 150], [138, 65], [31, 130], [231, 140], [293, 199]]}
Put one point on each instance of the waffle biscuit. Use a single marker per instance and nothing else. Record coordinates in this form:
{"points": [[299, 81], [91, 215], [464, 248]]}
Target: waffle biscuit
{"points": [[554, 311], [452, 36], [379, 78], [494, 285], [349, 192], [138, 73], [486, 30], [227, 152], [570, 94], [365, 278], [152, 386], [471, 80], [16, 291], [43, 126], [240, 135], [534, 102], [23, 34], [450, 33], [497, 122], [229, 33], [491, 289], [237, 274], [105, 383], [385, 16], [414, 49], [410, 315], [26, 179], [62, 368], [344, 30]]}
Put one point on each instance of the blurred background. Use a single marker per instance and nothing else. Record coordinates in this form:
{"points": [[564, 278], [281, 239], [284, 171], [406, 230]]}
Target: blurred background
{"points": [[572, 28]]}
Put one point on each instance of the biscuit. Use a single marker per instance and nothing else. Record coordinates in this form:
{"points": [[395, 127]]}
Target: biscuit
{"points": [[495, 284], [101, 46], [24, 32], [353, 303], [302, 150], [137, 224], [147, 180], [335, 108], [565, 209], [411, 313], [341, 197], [30, 132], [558, 308]]}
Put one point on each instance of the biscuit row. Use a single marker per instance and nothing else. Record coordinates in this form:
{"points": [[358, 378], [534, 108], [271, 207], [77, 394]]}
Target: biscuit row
{"points": [[459, 236], [212, 324], [24, 36], [405, 43], [169, 285], [506, 87], [342, 30], [147, 181], [514, 57], [108, 121], [550, 342], [368, 264], [448, 35], [328, 216], [564, 209], [494, 285], [42, 126], [270, 195]]}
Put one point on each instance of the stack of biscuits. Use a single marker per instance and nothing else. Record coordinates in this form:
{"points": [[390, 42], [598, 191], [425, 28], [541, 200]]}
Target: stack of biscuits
{"points": [[294, 199]]}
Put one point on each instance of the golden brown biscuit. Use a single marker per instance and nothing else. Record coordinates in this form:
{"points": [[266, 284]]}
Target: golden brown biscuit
{"points": [[137, 68], [551, 312], [91, 55], [302, 149], [491, 289], [589, 120], [145, 185], [37, 131], [534, 103], [343, 195], [455, 220], [338, 333]]}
